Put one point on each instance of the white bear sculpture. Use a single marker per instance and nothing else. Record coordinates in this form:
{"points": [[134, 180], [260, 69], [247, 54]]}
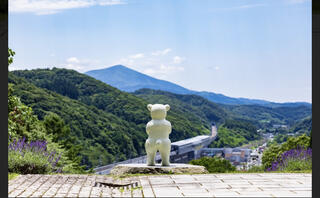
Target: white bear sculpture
{"points": [[158, 130]]}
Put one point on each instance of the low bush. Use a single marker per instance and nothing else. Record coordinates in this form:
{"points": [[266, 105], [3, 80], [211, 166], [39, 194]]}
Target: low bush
{"points": [[255, 169], [12, 175], [32, 158], [214, 164], [293, 160], [274, 152]]}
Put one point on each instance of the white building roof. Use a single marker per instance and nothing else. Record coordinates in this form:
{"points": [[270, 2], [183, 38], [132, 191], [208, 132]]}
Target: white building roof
{"points": [[191, 140]]}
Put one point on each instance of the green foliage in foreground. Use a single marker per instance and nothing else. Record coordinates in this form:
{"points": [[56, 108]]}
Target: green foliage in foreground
{"points": [[30, 163], [22, 123], [274, 151], [11, 53], [214, 164], [297, 164], [255, 169], [12, 175], [21, 120]]}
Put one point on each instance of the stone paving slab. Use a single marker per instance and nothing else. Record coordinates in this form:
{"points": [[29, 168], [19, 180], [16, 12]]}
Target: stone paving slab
{"points": [[199, 185]]}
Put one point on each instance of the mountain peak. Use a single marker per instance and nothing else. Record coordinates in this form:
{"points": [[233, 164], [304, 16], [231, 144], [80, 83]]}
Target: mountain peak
{"points": [[108, 68], [118, 67], [129, 80]]}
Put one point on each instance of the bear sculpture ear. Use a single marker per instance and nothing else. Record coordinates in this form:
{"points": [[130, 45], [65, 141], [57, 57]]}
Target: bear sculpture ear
{"points": [[167, 107], [149, 106]]}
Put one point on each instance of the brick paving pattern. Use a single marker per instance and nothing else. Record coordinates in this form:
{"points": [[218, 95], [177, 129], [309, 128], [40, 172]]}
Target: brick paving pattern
{"points": [[204, 185]]}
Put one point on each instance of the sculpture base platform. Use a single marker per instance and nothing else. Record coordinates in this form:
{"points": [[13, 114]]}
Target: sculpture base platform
{"points": [[123, 169]]}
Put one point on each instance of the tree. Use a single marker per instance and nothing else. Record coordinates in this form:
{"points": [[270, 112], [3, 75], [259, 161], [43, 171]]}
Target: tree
{"points": [[214, 164], [55, 125], [60, 133], [11, 53]]}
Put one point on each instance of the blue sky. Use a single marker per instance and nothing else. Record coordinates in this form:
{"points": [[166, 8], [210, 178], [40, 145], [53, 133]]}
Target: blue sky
{"points": [[258, 49]]}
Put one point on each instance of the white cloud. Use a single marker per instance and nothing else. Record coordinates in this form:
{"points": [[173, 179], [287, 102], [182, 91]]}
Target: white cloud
{"points": [[161, 52], [216, 68], [45, 7], [81, 65], [136, 56], [125, 61], [178, 59], [155, 64], [73, 60], [162, 71]]}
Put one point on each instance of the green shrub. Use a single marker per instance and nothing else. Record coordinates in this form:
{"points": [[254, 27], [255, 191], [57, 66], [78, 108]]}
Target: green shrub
{"points": [[255, 169], [32, 158], [30, 163], [12, 175], [297, 165], [275, 151], [293, 160], [214, 164]]}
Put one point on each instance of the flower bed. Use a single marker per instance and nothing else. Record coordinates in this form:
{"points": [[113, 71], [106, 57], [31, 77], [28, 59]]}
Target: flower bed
{"points": [[293, 160], [32, 158]]}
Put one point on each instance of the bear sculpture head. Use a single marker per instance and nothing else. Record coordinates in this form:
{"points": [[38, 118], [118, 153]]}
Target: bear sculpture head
{"points": [[158, 111]]}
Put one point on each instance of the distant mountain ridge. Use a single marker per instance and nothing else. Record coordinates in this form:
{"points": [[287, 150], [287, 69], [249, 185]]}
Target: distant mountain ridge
{"points": [[129, 80]]}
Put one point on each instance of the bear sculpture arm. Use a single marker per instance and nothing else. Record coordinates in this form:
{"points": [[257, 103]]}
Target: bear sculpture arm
{"points": [[148, 128], [170, 128]]}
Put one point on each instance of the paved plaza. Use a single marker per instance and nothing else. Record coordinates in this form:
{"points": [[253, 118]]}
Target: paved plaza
{"points": [[202, 185]]}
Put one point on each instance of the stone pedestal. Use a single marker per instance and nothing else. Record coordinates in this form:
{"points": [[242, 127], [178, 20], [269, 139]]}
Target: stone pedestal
{"points": [[122, 169]]}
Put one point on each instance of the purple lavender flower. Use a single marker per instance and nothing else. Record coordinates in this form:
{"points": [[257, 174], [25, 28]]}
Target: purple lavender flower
{"points": [[54, 164], [51, 156], [297, 154], [59, 170], [38, 147]]}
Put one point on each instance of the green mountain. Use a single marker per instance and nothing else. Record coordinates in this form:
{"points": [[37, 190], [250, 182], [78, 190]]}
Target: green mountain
{"points": [[233, 130], [266, 117], [260, 116], [129, 80], [205, 110], [109, 124], [303, 126]]}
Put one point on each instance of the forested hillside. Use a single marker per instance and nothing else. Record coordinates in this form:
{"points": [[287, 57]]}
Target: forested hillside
{"points": [[107, 123], [238, 123], [233, 131], [266, 117], [260, 116], [207, 111], [304, 126]]}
